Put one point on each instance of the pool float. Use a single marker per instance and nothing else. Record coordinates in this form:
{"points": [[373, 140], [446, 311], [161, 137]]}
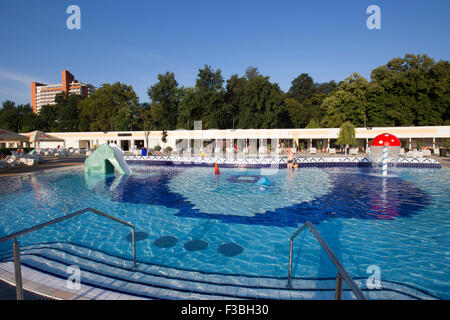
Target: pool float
{"points": [[216, 169], [263, 181]]}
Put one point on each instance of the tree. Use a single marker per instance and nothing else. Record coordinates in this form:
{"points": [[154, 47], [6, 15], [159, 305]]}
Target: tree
{"points": [[109, 108], [251, 72], [189, 110], [302, 88], [145, 121], [296, 113], [27, 118], [413, 90], [210, 96], [17, 118], [348, 103], [347, 134], [67, 112], [165, 98], [262, 105], [309, 96], [233, 96], [47, 118], [313, 124]]}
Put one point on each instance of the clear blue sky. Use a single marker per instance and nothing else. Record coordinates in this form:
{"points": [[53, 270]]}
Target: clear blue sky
{"points": [[133, 41]]}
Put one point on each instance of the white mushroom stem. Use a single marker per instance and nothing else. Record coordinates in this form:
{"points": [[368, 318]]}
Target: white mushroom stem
{"points": [[385, 160]]}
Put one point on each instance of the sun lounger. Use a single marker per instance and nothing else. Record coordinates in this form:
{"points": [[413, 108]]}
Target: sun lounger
{"points": [[426, 153], [27, 162], [12, 162]]}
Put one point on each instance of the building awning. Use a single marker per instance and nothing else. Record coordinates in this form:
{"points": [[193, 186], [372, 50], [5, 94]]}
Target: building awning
{"points": [[39, 136], [11, 137]]}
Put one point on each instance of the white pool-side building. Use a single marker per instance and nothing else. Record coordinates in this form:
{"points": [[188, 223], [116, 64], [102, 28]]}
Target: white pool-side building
{"points": [[411, 137]]}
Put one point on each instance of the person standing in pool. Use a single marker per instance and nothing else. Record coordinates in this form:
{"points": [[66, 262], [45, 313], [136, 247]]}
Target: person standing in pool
{"points": [[290, 161]]}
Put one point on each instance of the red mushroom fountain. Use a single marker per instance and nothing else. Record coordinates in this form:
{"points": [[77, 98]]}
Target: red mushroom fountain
{"points": [[386, 143]]}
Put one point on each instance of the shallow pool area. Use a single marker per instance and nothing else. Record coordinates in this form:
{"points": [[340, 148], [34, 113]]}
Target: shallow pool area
{"points": [[190, 220]]}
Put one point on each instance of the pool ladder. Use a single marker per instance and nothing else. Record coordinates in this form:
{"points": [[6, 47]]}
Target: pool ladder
{"points": [[16, 253], [342, 273]]}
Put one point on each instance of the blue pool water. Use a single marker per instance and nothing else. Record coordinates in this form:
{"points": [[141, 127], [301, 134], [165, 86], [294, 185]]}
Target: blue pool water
{"points": [[188, 218]]}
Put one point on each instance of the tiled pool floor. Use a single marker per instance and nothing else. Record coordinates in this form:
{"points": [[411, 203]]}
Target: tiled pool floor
{"points": [[44, 271]]}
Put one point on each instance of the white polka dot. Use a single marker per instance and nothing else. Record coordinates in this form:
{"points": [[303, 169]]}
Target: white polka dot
{"points": [[381, 141]]}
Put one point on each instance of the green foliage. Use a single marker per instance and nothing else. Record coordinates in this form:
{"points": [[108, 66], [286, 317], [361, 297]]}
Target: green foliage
{"points": [[409, 91], [301, 145], [233, 96], [110, 108], [348, 103], [189, 110], [17, 118], [302, 88], [306, 98], [347, 134], [296, 113], [210, 96], [165, 101], [67, 112], [419, 144], [313, 124], [262, 105], [157, 148]]}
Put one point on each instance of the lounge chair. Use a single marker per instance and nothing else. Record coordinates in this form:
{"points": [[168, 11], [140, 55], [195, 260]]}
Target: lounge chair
{"points": [[26, 161], [332, 151], [12, 162], [312, 151], [426, 153]]}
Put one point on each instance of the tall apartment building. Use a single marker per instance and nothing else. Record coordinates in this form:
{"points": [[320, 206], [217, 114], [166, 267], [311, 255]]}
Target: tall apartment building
{"points": [[43, 94]]}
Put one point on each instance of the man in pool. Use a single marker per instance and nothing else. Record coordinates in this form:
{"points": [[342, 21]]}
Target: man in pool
{"points": [[290, 161]]}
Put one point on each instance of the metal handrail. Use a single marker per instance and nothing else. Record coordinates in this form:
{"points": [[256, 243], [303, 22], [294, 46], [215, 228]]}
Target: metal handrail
{"points": [[342, 273], [16, 253]]}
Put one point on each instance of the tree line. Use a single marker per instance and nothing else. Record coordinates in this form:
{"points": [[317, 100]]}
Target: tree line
{"points": [[408, 91]]}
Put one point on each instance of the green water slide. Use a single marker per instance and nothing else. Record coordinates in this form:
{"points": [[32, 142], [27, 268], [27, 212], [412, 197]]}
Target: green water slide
{"points": [[106, 159]]}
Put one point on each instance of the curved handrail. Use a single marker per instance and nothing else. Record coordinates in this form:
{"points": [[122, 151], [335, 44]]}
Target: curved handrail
{"points": [[17, 268], [342, 273]]}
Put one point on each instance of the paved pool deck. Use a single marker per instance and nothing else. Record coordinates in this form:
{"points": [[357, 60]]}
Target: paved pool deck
{"points": [[48, 163]]}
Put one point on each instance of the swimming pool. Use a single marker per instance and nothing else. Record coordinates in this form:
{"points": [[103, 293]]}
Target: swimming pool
{"points": [[187, 219]]}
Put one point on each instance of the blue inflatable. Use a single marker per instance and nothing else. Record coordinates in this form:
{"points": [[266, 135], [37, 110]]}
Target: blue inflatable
{"points": [[263, 181]]}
